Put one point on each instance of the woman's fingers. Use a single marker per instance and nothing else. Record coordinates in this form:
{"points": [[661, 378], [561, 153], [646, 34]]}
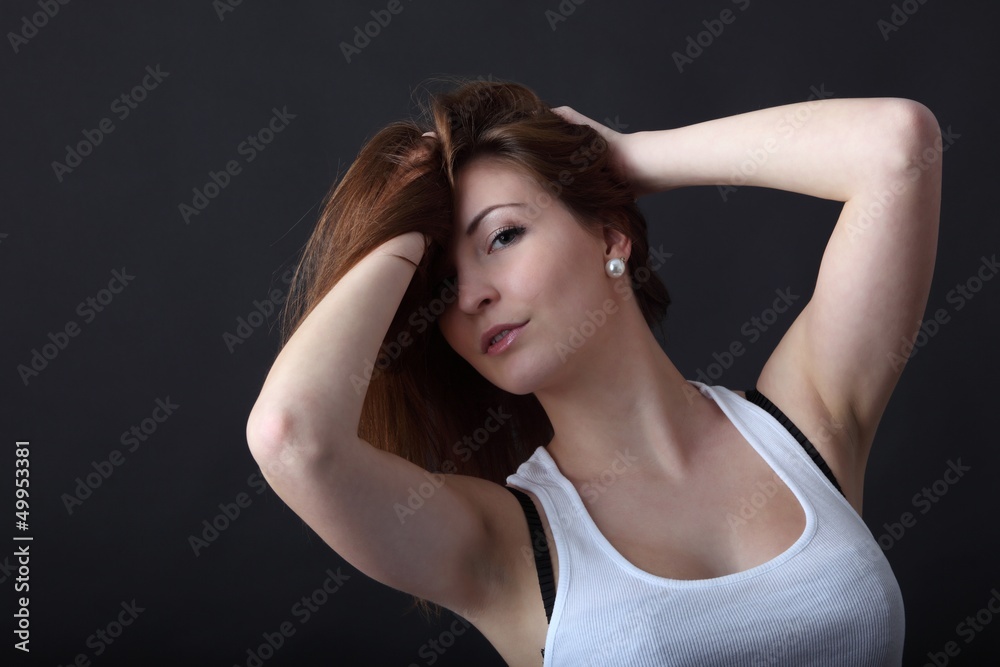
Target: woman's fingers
{"points": [[571, 115], [616, 140]]}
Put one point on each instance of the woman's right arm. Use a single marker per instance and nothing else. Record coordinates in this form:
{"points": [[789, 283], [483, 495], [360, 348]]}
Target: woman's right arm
{"points": [[303, 431], [310, 383]]}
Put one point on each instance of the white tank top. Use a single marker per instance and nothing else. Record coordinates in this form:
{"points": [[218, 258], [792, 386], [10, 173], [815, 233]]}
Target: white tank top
{"points": [[829, 599]]}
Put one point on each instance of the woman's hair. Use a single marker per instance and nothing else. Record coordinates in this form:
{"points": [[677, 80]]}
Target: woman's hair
{"points": [[423, 401]]}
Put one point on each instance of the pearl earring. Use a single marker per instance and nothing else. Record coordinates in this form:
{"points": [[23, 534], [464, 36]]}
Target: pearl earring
{"points": [[615, 267]]}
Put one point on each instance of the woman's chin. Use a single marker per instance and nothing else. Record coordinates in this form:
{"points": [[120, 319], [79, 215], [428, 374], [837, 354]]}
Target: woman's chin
{"points": [[518, 386], [522, 378]]}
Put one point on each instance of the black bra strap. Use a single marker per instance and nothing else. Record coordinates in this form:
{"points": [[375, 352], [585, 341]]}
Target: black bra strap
{"points": [[543, 562], [758, 398]]}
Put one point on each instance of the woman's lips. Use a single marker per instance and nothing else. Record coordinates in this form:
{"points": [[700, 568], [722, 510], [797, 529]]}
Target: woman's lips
{"points": [[509, 335]]}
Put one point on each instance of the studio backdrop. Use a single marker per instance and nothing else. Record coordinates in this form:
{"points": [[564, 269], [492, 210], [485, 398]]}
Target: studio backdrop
{"points": [[163, 165]]}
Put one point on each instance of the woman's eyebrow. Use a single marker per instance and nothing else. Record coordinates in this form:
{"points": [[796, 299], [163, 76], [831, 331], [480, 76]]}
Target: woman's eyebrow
{"points": [[482, 214]]}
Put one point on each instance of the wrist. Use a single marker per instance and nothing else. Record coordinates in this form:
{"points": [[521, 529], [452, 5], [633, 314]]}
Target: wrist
{"points": [[644, 164], [410, 246]]}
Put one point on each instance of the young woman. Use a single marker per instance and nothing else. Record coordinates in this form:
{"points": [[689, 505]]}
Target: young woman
{"points": [[470, 349]]}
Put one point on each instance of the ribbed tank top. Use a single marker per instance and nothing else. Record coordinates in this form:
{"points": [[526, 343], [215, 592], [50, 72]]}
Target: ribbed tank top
{"points": [[830, 599]]}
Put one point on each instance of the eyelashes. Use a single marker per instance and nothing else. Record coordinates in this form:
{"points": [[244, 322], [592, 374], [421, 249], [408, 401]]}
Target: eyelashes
{"points": [[506, 236]]}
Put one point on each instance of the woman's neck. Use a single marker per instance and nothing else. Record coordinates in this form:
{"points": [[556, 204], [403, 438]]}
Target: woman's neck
{"points": [[624, 406]]}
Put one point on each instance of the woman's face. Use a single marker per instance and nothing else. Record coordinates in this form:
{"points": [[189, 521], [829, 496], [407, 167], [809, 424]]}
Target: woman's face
{"points": [[528, 274]]}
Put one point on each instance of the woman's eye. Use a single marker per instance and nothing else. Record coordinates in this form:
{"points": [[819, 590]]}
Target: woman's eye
{"points": [[505, 237]]}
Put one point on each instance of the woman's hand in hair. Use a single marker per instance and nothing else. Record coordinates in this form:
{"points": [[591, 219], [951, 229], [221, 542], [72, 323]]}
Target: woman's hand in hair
{"points": [[410, 246], [624, 150]]}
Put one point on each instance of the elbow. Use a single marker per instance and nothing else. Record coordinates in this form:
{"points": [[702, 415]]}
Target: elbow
{"points": [[278, 444], [274, 442], [913, 144], [268, 434]]}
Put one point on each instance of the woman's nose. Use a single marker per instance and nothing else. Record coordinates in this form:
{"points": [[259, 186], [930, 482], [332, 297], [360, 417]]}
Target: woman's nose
{"points": [[474, 294]]}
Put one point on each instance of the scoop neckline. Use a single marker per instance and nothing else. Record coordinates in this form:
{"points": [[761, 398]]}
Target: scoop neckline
{"points": [[734, 577]]}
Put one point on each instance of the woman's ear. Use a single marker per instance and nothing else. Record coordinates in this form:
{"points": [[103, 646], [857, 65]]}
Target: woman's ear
{"points": [[616, 243]]}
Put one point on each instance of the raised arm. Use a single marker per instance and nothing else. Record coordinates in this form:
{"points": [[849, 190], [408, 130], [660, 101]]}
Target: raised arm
{"points": [[882, 158], [303, 431], [309, 385]]}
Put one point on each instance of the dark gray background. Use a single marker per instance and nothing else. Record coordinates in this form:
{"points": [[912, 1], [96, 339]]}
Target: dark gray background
{"points": [[162, 336]]}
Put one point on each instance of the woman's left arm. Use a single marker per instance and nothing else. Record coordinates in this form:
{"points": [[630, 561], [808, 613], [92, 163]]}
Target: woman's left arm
{"points": [[882, 158]]}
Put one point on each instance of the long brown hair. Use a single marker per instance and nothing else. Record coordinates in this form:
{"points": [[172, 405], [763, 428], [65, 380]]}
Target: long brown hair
{"points": [[423, 401]]}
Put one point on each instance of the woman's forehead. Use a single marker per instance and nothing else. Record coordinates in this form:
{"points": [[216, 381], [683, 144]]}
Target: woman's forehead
{"points": [[487, 177], [493, 185]]}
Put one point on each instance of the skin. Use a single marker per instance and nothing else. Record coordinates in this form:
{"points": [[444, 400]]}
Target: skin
{"points": [[619, 389]]}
